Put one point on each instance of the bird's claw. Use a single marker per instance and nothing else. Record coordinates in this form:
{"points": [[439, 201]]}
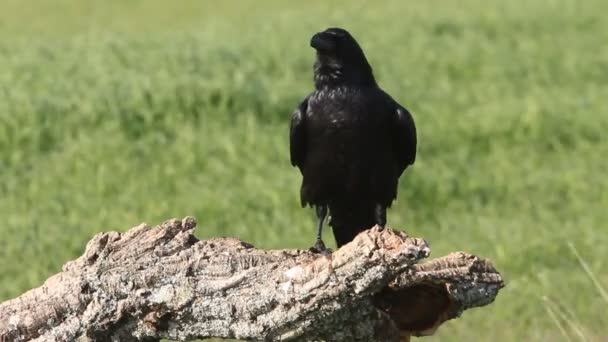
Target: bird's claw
{"points": [[319, 248]]}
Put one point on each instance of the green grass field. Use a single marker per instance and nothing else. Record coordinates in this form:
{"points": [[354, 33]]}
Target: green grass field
{"points": [[118, 112]]}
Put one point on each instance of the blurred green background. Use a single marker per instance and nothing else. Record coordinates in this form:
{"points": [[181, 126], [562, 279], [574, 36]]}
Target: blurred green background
{"points": [[116, 112]]}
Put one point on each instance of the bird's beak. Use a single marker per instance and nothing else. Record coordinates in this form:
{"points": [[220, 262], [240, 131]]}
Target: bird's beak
{"points": [[322, 42]]}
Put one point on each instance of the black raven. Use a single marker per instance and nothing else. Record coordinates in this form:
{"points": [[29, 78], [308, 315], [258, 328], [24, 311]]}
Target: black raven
{"points": [[350, 140]]}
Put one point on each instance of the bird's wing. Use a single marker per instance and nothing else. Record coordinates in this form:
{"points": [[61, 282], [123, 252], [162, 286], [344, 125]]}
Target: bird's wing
{"points": [[297, 134], [404, 138]]}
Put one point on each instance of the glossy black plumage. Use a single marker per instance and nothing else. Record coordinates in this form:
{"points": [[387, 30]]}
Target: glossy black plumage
{"points": [[350, 139]]}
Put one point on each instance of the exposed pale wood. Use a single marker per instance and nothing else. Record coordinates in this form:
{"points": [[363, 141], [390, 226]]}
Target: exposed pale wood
{"points": [[161, 282]]}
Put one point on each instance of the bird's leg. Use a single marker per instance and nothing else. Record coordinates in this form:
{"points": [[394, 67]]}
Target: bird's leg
{"points": [[319, 246], [380, 214]]}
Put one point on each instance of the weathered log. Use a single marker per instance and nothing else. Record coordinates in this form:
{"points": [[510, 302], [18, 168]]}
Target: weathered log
{"points": [[161, 282]]}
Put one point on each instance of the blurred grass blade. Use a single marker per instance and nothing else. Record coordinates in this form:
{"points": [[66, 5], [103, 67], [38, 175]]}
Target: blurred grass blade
{"points": [[587, 269], [555, 319], [567, 316]]}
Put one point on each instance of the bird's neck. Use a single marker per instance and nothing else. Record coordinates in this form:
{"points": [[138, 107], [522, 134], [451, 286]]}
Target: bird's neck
{"points": [[330, 75]]}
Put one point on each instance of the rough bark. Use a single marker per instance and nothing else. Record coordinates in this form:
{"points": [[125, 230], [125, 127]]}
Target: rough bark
{"points": [[161, 282]]}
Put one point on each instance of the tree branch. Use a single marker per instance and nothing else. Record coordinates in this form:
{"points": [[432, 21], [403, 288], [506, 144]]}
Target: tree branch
{"points": [[161, 282]]}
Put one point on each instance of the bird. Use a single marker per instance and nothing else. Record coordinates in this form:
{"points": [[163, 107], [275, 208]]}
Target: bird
{"points": [[350, 140]]}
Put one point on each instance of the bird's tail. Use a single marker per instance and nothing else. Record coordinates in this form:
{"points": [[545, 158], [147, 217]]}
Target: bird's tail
{"points": [[348, 220]]}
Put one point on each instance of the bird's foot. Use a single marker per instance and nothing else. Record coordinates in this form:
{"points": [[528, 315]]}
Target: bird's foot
{"points": [[319, 248]]}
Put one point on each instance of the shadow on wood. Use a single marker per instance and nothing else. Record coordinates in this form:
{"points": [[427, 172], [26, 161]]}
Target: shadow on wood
{"points": [[161, 282]]}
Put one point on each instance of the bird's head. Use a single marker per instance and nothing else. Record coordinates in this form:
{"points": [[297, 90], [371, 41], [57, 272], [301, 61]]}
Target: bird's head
{"points": [[340, 59]]}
